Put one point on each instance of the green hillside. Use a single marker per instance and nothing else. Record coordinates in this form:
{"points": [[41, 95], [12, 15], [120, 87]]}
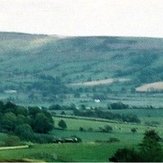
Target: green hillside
{"points": [[42, 69]]}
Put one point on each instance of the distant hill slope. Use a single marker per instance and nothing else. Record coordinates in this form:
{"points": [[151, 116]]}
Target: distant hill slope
{"points": [[29, 59]]}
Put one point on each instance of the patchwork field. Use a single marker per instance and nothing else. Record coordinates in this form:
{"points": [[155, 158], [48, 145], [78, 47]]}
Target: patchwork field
{"points": [[157, 86], [98, 82]]}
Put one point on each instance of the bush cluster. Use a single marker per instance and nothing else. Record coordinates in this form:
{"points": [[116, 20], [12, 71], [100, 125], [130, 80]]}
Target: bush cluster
{"points": [[26, 123]]}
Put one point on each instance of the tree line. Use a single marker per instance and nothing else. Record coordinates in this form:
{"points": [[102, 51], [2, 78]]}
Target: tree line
{"points": [[98, 112], [31, 123]]}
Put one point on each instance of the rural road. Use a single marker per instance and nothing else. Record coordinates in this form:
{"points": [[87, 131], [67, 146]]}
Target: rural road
{"points": [[15, 147]]}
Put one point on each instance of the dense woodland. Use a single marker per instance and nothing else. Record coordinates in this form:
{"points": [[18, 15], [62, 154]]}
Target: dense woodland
{"points": [[32, 123]]}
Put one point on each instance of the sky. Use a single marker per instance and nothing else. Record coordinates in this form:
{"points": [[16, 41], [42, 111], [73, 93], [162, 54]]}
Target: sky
{"points": [[83, 17]]}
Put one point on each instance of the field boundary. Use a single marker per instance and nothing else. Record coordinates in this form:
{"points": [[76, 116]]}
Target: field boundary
{"points": [[86, 118]]}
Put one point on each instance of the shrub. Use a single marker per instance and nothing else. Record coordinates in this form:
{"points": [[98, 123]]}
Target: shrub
{"points": [[152, 123], [90, 129], [106, 128], [125, 155], [113, 140], [81, 129], [43, 138], [24, 131], [150, 150], [12, 140], [42, 123], [62, 124], [9, 121], [133, 130]]}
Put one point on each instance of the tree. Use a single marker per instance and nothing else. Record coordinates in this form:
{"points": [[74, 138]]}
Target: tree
{"points": [[151, 135], [150, 149], [130, 118], [42, 124], [49, 116], [21, 119], [125, 155], [55, 107], [33, 111], [82, 107], [21, 110], [12, 140], [63, 113], [1, 106], [24, 131], [81, 129], [106, 128], [119, 105], [9, 107], [133, 130], [9, 121], [62, 124]]}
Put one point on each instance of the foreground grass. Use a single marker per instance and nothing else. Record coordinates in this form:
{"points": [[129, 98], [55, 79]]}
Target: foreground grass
{"points": [[63, 152]]}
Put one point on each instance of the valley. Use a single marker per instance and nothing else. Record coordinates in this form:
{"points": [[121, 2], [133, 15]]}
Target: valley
{"points": [[94, 94]]}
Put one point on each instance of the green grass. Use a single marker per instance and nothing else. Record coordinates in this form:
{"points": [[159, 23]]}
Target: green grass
{"points": [[64, 152], [122, 131], [88, 150], [125, 137], [75, 124]]}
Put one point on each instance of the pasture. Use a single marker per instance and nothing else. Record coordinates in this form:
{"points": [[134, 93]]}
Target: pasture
{"points": [[93, 146], [63, 152], [121, 130]]}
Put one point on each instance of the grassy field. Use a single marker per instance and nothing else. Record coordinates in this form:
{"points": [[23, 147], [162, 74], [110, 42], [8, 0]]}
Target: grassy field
{"points": [[122, 131], [89, 149], [75, 124], [125, 138], [63, 152]]}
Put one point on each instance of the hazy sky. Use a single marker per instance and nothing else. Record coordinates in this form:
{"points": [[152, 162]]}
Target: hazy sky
{"points": [[83, 17]]}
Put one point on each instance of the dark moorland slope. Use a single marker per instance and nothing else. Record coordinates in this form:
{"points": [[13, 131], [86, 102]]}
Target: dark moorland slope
{"points": [[42, 66]]}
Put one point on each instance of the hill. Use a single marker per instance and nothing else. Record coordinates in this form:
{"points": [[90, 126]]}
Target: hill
{"points": [[47, 69]]}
